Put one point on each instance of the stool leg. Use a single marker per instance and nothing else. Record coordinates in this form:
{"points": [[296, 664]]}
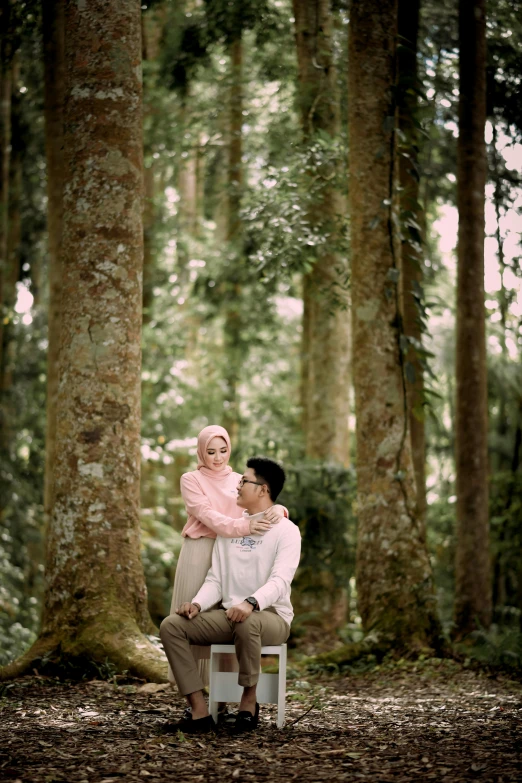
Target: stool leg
{"points": [[281, 691], [213, 705]]}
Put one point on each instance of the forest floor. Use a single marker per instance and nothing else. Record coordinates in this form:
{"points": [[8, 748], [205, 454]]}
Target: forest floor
{"points": [[436, 721]]}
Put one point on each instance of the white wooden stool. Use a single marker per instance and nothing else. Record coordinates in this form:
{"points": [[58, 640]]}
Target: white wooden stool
{"points": [[271, 688]]}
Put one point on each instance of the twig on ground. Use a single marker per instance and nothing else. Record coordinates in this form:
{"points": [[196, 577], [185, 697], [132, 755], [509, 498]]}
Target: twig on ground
{"points": [[302, 716]]}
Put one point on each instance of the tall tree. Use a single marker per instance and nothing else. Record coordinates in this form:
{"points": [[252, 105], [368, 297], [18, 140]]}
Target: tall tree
{"points": [[473, 568], [6, 57], [95, 605], [394, 581], [12, 254], [412, 224], [326, 319], [54, 87], [233, 314], [153, 22]]}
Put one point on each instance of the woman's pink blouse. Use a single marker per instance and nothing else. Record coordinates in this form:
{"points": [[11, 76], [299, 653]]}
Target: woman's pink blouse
{"points": [[211, 506]]}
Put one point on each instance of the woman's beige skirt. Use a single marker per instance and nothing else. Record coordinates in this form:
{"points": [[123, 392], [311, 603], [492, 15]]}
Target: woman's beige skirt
{"points": [[193, 563]]}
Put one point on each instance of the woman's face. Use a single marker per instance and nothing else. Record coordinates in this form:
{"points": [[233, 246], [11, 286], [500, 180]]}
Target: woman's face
{"points": [[217, 454]]}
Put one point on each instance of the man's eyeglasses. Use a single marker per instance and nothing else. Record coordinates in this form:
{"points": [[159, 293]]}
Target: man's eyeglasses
{"points": [[248, 481]]}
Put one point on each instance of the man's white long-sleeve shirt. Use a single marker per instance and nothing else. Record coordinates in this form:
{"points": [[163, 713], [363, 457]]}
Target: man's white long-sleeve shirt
{"points": [[258, 566]]}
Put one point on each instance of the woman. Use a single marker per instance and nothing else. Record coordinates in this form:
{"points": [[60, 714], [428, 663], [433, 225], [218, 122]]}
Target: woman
{"points": [[210, 494]]}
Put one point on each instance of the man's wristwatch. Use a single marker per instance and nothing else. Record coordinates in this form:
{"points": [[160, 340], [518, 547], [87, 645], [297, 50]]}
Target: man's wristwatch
{"points": [[253, 603]]}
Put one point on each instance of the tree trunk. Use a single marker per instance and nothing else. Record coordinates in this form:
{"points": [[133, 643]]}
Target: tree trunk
{"points": [[326, 319], [394, 581], [502, 424], [411, 248], [149, 250], [499, 580], [235, 165], [233, 320], [473, 567], [5, 148], [54, 88], [95, 606], [12, 255], [152, 27], [187, 176], [187, 191]]}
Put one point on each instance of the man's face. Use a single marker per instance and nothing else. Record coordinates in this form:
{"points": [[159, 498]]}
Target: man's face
{"points": [[249, 489]]}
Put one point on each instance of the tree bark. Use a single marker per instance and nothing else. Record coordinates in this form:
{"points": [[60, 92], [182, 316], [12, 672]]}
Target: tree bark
{"points": [[233, 320], [326, 318], [152, 27], [412, 236], [149, 254], [394, 581], [473, 567], [5, 149], [95, 606], [12, 255], [187, 178], [54, 89]]}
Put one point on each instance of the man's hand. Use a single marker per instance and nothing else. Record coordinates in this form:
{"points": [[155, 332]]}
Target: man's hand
{"points": [[188, 610], [239, 613]]}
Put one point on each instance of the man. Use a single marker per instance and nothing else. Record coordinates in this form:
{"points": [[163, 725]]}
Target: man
{"points": [[250, 579]]}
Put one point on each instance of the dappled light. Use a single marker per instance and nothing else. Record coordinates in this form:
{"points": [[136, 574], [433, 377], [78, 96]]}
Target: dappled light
{"points": [[430, 722], [260, 382]]}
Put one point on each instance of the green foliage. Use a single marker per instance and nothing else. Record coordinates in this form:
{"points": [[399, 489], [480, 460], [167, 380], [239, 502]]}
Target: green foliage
{"points": [[197, 280], [283, 235], [320, 499], [497, 647], [161, 546], [504, 36], [21, 480], [191, 36]]}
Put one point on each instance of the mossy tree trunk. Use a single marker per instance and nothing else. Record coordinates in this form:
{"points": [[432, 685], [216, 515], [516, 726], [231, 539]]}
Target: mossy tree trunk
{"points": [[473, 566], [54, 88], [394, 581], [412, 224], [326, 319], [95, 606]]}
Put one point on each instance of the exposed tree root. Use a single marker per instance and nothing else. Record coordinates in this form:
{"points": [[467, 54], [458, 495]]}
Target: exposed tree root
{"points": [[29, 660], [377, 646], [95, 652], [132, 653], [345, 655]]}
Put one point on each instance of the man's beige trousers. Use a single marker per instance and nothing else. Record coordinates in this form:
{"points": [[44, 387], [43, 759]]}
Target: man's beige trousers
{"points": [[213, 627]]}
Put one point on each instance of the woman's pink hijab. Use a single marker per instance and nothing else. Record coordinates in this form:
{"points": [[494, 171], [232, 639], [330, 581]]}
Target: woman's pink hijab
{"points": [[204, 438]]}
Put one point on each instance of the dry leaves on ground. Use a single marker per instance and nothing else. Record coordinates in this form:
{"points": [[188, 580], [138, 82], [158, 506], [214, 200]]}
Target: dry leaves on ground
{"points": [[440, 724]]}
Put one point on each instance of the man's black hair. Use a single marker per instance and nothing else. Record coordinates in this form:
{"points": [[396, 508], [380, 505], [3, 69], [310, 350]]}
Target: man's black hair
{"points": [[271, 473]]}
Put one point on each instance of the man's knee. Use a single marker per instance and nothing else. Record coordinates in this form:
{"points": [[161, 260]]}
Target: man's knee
{"points": [[249, 627], [173, 624]]}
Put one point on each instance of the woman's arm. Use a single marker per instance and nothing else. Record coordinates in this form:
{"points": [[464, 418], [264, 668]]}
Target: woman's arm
{"points": [[198, 505]]}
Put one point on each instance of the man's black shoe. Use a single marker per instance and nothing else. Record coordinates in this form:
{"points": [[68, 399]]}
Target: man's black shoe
{"points": [[191, 726], [245, 721]]}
